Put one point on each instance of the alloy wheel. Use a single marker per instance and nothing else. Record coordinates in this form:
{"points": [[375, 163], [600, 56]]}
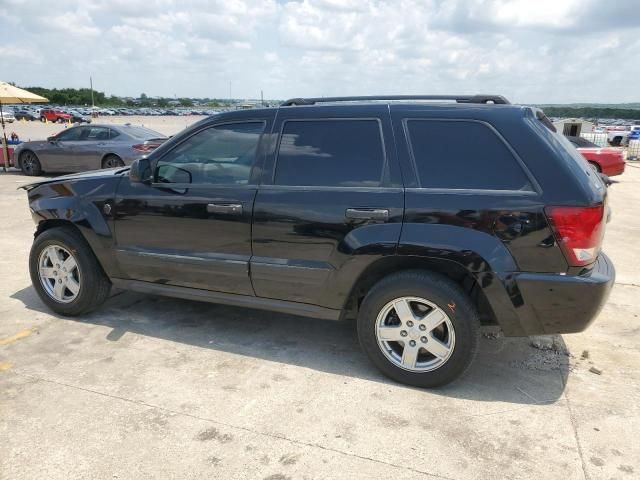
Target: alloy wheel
{"points": [[59, 273], [415, 334]]}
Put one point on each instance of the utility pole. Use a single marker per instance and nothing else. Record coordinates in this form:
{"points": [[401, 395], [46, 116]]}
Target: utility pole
{"points": [[229, 91], [261, 98], [91, 85]]}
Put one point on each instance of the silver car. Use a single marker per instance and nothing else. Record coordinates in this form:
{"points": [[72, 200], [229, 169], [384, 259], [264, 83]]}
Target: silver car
{"points": [[87, 148]]}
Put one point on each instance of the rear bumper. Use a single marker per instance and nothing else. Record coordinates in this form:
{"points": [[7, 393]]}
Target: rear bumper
{"points": [[613, 169], [553, 303]]}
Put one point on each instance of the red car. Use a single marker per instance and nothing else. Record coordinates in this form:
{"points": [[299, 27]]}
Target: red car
{"points": [[609, 161], [54, 115]]}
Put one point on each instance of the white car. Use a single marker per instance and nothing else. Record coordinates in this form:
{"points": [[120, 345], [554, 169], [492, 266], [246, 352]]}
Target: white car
{"points": [[8, 117]]}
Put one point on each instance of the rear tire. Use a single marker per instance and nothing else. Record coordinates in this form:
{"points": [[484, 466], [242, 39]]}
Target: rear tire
{"points": [[30, 164], [65, 273], [389, 337], [112, 161], [595, 167]]}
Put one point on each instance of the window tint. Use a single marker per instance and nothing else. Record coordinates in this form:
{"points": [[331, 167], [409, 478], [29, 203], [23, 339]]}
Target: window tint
{"points": [[113, 133], [220, 155], [94, 133], [463, 155], [70, 135], [345, 153]]}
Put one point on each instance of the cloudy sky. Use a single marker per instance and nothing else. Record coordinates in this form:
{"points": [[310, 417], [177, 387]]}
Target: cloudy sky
{"points": [[532, 51]]}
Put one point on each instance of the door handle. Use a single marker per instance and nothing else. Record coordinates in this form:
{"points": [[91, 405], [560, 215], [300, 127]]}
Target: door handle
{"points": [[380, 214], [225, 208]]}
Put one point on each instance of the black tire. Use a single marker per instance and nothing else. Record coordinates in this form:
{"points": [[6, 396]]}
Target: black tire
{"points": [[596, 168], [443, 293], [112, 161], [30, 164], [43, 119], [94, 284]]}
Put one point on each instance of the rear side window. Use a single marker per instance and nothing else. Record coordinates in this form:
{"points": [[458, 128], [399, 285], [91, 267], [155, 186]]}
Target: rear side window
{"points": [[332, 153], [463, 155]]}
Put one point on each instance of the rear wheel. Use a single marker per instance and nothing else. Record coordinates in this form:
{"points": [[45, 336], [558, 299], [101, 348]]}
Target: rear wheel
{"points": [[29, 163], [65, 273], [112, 161], [419, 328], [595, 167]]}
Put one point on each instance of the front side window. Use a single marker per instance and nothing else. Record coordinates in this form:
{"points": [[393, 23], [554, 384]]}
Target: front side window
{"points": [[73, 134], [333, 153], [221, 155], [463, 155]]}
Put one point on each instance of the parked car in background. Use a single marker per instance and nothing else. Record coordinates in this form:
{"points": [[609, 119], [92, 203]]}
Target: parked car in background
{"points": [[607, 160], [87, 148], [25, 115], [52, 115], [349, 209], [8, 117], [617, 136], [77, 117]]}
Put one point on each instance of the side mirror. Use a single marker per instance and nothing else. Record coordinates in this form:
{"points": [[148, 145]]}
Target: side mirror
{"points": [[52, 139], [140, 171]]}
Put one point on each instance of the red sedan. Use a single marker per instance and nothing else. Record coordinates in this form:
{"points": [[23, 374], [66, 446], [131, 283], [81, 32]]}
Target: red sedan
{"points": [[609, 161]]}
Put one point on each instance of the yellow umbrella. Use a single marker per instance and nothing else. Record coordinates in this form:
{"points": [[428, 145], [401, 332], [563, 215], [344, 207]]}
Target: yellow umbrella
{"points": [[11, 94]]}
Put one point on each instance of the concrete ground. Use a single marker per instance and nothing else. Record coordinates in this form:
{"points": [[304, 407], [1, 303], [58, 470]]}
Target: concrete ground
{"points": [[150, 387]]}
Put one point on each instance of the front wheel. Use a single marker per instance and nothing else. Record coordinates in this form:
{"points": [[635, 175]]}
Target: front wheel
{"points": [[65, 273], [29, 164], [419, 328]]}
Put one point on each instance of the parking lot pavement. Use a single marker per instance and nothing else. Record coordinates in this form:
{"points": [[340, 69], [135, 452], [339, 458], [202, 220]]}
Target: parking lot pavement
{"points": [[149, 387]]}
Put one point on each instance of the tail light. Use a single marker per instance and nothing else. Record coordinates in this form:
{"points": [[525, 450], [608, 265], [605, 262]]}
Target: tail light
{"points": [[145, 147], [579, 231]]}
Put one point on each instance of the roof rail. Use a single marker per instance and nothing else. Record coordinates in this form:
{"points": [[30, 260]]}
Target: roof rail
{"points": [[486, 99]]}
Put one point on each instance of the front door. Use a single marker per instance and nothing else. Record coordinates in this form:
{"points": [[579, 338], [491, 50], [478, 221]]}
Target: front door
{"points": [[191, 227], [58, 155], [330, 204]]}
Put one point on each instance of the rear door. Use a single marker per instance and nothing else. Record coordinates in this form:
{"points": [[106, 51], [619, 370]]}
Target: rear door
{"points": [[94, 142], [331, 202]]}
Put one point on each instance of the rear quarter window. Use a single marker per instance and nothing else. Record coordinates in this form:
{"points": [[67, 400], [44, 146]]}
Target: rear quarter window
{"points": [[465, 154]]}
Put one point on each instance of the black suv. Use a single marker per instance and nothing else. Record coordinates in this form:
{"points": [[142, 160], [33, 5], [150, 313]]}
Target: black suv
{"points": [[423, 217]]}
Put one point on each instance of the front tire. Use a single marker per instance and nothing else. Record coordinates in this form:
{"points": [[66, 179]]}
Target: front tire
{"points": [[30, 164], [419, 328], [65, 273]]}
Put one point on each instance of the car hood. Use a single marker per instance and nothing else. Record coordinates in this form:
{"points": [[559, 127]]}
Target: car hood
{"points": [[74, 177]]}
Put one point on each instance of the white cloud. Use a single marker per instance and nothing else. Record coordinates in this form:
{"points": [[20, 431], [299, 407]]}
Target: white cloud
{"points": [[531, 51]]}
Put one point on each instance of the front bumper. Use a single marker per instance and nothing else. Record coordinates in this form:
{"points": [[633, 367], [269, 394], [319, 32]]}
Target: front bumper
{"points": [[553, 303]]}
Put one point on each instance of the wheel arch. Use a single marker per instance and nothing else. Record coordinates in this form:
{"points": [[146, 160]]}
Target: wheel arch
{"points": [[595, 164], [110, 154], [452, 270]]}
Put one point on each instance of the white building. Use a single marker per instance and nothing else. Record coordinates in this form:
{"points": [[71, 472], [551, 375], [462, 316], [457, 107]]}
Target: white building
{"points": [[573, 127]]}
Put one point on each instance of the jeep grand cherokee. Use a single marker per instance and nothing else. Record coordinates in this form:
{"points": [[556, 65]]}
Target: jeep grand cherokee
{"points": [[423, 217]]}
